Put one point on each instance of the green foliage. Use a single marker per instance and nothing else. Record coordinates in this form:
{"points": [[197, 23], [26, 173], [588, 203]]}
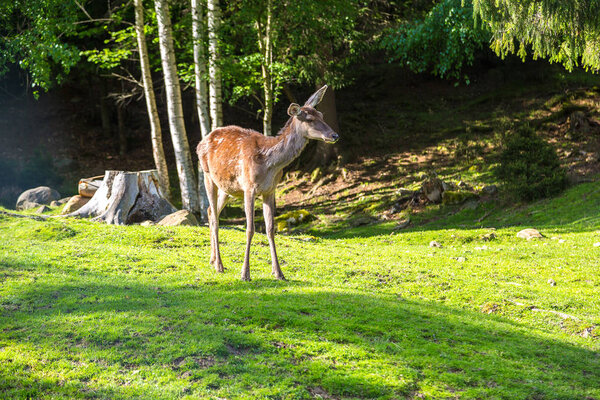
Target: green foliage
{"points": [[566, 32], [529, 166], [443, 43], [34, 35]]}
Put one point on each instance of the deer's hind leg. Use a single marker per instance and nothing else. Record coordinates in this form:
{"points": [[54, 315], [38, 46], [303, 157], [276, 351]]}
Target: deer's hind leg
{"points": [[249, 197], [213, 221], [269, 214]]}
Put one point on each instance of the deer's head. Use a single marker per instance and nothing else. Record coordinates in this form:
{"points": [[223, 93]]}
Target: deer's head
{"points": [[311, 122]]}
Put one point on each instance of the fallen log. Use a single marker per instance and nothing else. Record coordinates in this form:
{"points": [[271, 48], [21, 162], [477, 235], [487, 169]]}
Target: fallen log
{"points": [[125, 198]]}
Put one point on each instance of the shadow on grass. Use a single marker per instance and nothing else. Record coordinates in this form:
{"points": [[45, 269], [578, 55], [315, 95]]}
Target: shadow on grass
{"points": [[95, 336]]}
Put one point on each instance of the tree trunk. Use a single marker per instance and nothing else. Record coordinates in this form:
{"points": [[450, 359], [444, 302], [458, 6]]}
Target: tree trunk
{"points": [[158, 151], [265, 44], [187, 182], [104, 109], [122, 132], [126, 198], [214, 69], [324, 153], [201, 94], [200, 67]]}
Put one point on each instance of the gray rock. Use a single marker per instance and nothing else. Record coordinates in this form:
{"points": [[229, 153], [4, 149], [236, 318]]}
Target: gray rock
{"points": [[433, 189], [433, 243], [39, 195], [490, 190], [551, 282], [28, 205], [42, 209], [181, 217], [529, 234], [148, 223]]}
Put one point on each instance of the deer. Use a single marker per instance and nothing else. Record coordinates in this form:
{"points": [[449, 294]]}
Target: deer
{"points": [[243, 163]]}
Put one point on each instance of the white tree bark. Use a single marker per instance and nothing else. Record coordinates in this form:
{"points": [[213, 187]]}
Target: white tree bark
{"points": [[200, 67], [155, 130], [198, 37], [214, 69], [266, 46], [187, 182]]}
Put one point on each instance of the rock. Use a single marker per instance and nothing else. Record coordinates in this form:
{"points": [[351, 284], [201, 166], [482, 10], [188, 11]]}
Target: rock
{"points": [[450, 197], [148, 223], [39, 195], [433, 189], [42, 209], [529, 234], [433, 243], [551, 282], [460, 259], [28, 205], [181, 217], [488, 237], [290, 219], [74, 204], [58, 203], [490, 190], [597, 244], [561, 240]]}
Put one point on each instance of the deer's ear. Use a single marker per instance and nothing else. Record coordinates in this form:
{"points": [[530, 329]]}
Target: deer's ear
{"points": [[316, 97], [293, 110]]}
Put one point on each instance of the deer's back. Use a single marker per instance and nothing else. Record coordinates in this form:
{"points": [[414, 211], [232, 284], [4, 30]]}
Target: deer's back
{"points": [[233, 156]]}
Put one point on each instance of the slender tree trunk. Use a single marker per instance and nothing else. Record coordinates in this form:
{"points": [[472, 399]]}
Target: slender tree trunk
{"points": [[201, 93], [121, 129], [214, 69], [187, 182], [104, 109], [158, 151], [265, 44]]}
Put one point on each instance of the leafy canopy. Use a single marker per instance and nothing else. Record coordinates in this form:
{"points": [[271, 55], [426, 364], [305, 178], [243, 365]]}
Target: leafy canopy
{"points": [[34, 35], [444, 42], [566, 32]]}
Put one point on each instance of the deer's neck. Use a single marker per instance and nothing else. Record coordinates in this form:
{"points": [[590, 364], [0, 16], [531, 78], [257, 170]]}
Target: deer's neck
{"points": [[290, 144]]}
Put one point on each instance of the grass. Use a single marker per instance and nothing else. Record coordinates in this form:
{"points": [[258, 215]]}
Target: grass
{"points": [[96, 311]]}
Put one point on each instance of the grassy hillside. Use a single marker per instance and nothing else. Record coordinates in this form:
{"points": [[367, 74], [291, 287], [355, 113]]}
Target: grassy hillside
{"points": [[95, 311]]}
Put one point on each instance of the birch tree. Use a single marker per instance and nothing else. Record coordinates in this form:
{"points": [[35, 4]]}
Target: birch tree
{"points": [[201, 90], [214, 69], [187, 182], [155, 131], [265, 45]]}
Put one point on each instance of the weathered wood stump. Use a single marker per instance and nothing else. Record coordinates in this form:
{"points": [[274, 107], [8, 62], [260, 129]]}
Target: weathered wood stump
{"points": [[125, 198]]}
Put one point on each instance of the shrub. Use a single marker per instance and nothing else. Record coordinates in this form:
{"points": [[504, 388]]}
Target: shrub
{"points": [[529, 166]]}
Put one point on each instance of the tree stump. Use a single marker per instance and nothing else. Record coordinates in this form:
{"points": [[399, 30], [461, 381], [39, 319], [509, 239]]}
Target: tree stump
{"points": [[125, 198]]}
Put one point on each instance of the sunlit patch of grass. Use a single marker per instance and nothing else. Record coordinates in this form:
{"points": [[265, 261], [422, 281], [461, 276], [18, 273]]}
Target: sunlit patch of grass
{"points": [[95, 311]]}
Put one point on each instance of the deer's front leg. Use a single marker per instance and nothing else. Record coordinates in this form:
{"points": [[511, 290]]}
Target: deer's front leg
{"points": [[213, 221], [269, 214], [249, 209]]}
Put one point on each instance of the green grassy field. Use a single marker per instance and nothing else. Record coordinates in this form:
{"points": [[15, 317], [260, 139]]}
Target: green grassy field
{"points": [[96, 311]]}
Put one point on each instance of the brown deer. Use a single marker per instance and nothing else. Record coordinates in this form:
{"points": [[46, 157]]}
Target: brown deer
{"points": [[244, 163]]}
